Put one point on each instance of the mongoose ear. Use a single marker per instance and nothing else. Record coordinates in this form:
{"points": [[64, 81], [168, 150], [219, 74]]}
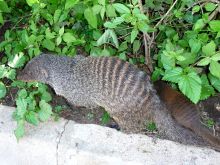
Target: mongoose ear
{"points": [[44, 72]]}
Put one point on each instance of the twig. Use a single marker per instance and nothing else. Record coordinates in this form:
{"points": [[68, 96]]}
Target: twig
{"points": [[146, 37], [158, 23], [214, 13]]}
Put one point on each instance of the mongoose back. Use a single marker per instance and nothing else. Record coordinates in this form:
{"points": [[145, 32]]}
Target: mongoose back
{"points": [[123, 90]]}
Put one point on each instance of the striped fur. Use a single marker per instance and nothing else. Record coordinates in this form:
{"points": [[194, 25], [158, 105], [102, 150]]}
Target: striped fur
{"points": [[121, 88]]}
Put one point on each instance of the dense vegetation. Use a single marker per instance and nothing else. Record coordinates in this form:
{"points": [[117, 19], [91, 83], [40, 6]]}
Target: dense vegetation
{"points": [[177, 40]]}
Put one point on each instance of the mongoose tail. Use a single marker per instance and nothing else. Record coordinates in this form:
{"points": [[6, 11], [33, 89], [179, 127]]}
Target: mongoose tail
{"points": [[186, 113]]}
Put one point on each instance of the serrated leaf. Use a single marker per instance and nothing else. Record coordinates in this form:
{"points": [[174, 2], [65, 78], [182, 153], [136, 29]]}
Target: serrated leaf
{"points": [[167, 61], [57, 14], [196, 9], [48, 44], [17, 61], [4, 7], [110, 11], [214, 68], [209, 49], [216, 57], [61, 31], [199, 25], [45, 110], [134, 34], [207, 89], [173, 75], [214, 81], [204, 61], [114, 38], [104, 38], [22, 94], [70, 3], [19, 131], [90, 17], [210, 6], [190, 85], [31, 117], [2, 90], [68, 37], [46, 96], [215, 25], [136, 46], [121, 8], [195, 45], [123, 46], [109, 24], [21, 107], [31, 2]]}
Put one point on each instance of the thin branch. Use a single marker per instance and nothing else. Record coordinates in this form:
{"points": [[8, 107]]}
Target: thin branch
{"points": [[158, 23], [214, 13], [147, 38]]}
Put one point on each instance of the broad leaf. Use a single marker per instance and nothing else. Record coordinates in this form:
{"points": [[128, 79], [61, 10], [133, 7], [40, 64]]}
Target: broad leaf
{"points": [[31, 117], [173, 75], [70, 3], [215, 68], [134, 34], [91, 17], [207, 89], [205, 61], [195, 45], [19, 131], [190, 85], [48, 44], [215, 82], [45, 110], [68, 37], [21, 107], [215, 25], [17, 60], [2, 90], [121, 8], [209, 49]]}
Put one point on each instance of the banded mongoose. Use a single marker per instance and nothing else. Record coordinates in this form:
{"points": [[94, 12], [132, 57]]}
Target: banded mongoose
{"points": [[186, 113], [123, 90]]}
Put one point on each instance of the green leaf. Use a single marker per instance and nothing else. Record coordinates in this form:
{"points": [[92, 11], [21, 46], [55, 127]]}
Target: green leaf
{"points": [[114, 38], [199, 25], [196, 9], [134, 34], [173, 75], [207, 89], [68, 37], [1, 19], [215, 68], [46, 96], [105, 118], [209, 49], [57, 14], [19, 131], [156, 74], [70, 3], [22, 94], [31, 117], [110, 11], [144, 27], [121, 8], [104, 38], [190, 85], [214, 81], [4, 7], [215, 25], [61, 31], [45, 110], [204, 61], [123, 46], [210, 6], [2, 90], [167, 61], [216, 57], [136, 46], [17, 61], [91, 17], [21, 107], [31, 2], [48, 44], [195, 45]]}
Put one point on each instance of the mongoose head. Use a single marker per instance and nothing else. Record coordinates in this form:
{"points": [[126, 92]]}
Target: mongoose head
{"points": [[36, 69]]}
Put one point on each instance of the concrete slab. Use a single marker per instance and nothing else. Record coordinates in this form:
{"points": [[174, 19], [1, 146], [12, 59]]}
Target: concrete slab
{"points": [[66, 142]]}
